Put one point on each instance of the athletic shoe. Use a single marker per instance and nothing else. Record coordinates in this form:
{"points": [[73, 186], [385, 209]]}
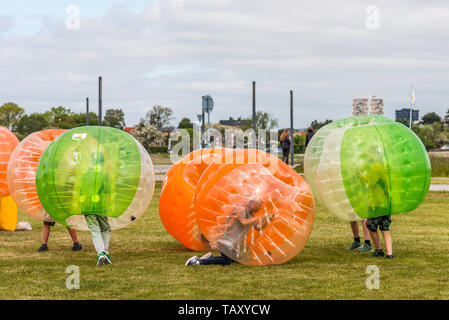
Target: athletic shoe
{"points": [[378, 254], [206, 256], [107, 259], [366, 248], [101, 259], [389, 256], [77, 247], [354, 246], [42, 248], [194, 261]]}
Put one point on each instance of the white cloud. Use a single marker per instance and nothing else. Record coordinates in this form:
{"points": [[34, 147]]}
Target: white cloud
{"points": [[175, 51]]}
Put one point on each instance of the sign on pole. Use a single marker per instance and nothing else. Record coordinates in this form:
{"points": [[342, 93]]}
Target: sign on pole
{"points": [[208, 104]]}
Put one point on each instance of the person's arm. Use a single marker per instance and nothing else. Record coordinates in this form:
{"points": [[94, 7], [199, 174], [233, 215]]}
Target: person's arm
{"points": [[259, 219]]}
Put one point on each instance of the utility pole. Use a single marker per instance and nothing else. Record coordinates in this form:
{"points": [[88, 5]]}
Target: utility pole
{"points": [[412, 104], [254, 115], [100, 101], [292, 148], [87, 112]]}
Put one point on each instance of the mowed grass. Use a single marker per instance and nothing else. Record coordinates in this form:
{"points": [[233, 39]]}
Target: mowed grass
{"points": [[149, 264]]}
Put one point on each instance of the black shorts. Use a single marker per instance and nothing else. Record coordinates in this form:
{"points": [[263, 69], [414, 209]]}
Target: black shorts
{"points": [[383, 223], [51, 224]]}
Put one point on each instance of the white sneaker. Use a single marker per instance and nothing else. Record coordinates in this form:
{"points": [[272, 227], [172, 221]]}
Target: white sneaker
{"points": [[194, 261], [206, 256]]}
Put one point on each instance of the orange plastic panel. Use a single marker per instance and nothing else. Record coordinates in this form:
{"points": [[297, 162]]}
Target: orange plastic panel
{"points": [[8, 142], [8, 214], [176, 204], [255, 209], [22, 171]]}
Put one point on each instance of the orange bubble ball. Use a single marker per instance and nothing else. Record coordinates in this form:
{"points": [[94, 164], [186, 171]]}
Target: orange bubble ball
{"points": [[8, 142], [22, 171], [256, 210], [176, 204]]}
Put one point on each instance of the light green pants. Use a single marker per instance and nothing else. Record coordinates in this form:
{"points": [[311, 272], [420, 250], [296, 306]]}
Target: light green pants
{"points": [[100, 230]]}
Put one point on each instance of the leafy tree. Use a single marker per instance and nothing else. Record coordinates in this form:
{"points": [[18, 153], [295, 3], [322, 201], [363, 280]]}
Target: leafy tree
{"points": [[10, 114], [446, 117], [430, 118], [79, 119], [61, 118], [264, 120], [299, 143], [404, 122], [427, 135], [115, 118], [147, 135], [185, 124], [159, 116], [32, 123], [318, 125]]}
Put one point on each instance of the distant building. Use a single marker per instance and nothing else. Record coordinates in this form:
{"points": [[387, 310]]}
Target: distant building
{"points": [[404, 115], [234, 123], [368, 104]]}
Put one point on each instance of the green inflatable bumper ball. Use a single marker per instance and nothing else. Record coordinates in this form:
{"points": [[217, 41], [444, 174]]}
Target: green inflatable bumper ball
{"points": [[95, 170], [366, 167]]}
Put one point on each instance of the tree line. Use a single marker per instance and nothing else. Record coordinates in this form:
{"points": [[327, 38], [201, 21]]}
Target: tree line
{"points": [[15, 119]]}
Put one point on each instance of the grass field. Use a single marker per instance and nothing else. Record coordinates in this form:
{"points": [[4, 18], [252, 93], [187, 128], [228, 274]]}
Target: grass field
{"points": [[149, 264]]}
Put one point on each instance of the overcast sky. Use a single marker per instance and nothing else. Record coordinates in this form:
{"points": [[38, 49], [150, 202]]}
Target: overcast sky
{"points": [[172, 52]]}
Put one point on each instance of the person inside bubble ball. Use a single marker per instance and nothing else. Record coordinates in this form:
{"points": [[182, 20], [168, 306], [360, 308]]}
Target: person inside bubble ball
{"points": [[50, 222], [94, 194], [376, 181], [237, 225]]}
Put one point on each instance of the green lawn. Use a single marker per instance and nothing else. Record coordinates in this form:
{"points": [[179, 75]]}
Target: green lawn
{"points": [[149, 264], [161, 158]]}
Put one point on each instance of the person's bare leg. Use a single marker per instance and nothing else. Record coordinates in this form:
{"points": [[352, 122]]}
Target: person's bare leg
{"points": [[355, 229], [45, 233], [388, 242], [366, 232], [73, 234], [376, 240]]}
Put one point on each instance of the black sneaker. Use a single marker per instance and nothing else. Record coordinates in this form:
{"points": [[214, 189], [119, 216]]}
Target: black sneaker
{"points": [[77, 247], [355, 246], [43, 248], [389, 256], [378, 254]]}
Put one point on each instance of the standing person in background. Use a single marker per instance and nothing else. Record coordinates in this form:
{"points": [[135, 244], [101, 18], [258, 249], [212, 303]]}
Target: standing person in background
{"points": [[357, 244], [309, 135], [285, 144], [95, 199]]}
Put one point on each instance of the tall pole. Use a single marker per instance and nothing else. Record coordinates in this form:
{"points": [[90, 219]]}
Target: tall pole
{"points": [[412, 102], [292, 149], [87, 111], [254, 115], [100, 101], [208, 128], [203, 125]]}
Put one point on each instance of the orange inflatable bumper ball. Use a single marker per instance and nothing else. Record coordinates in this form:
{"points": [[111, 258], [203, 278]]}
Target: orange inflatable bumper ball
{"points": [[22, 171], [176, 204], [257, 212], [8, 142]]}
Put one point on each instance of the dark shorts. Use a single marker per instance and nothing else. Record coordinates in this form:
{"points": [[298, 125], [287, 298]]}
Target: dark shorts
{"points": [[383, 223], [51, 224]]}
